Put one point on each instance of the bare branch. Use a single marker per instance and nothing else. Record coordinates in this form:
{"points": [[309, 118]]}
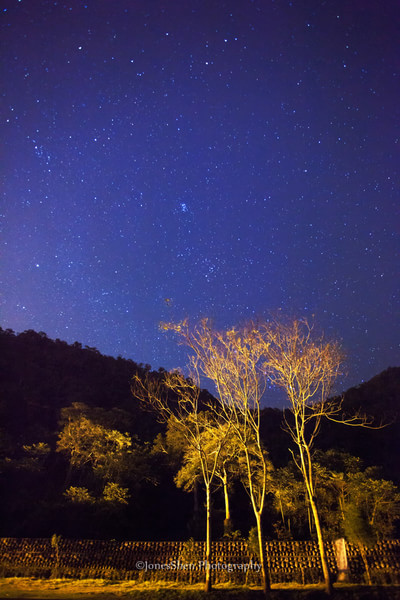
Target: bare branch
{"points": [[232, 360]]}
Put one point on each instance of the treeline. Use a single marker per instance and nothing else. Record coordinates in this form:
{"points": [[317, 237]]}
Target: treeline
{"points": [[80, 457]]}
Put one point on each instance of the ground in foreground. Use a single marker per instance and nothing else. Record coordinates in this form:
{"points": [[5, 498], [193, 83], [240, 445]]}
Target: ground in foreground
{"points": [[68, 589]]}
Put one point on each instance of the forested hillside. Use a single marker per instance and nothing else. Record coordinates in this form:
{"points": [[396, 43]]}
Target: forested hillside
{"points": [[80, 457]]}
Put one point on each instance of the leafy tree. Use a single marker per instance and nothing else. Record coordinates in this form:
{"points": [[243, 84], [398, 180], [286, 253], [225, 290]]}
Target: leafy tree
{"points": [[192, 422], [379, 500], [172, 443], [113, 457], [349, 483], [40, 376], [87, 443], [171, 447], [288, 500], [190, 554], [34, 457], [115, 494], [227, 467], [358, 531], [79, 495]]}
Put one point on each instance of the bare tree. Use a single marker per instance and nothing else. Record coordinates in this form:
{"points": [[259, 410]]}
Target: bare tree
{"points": [[232, 360], [305, 366], [192, 422]]}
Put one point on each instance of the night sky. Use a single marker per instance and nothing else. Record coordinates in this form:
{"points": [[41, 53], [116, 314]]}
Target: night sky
{"points": [[201, 158]]}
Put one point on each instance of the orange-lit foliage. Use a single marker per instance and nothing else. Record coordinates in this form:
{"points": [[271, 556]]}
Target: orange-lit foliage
{"points": [[191, 422]]}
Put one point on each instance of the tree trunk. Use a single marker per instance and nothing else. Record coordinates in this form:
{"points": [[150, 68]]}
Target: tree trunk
{"points": [[196, 524], [207, 586], [196, 509], [261, 550], [227, 521], [226, 496], [309, 521], [322, 552], [365, 561], [282, 513], [68, 476]]}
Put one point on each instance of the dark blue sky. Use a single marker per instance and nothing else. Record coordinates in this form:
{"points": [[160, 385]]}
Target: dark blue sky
{"points": [[201, 158]]}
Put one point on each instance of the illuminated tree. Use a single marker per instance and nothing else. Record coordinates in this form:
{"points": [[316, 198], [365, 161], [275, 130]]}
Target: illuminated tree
{"points": [[227, 466], [305, 367], [172, 446], [288, 499], [377, 498], [79, 495], [95, 449], [87, 443], [358, 531], [232, 361], [192, 422], [114, 494]]}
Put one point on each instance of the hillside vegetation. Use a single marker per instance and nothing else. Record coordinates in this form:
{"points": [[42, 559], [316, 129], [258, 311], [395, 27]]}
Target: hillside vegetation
{"points": [[130, 494]]}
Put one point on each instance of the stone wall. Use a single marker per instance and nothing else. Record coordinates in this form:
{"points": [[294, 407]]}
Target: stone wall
{"points": [[288, 561]]}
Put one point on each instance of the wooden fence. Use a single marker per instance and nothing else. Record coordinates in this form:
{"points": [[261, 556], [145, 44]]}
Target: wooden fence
{"points": [[288, 561]]}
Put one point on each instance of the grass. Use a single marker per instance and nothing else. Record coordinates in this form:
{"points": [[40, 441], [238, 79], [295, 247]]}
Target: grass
{"points": [[98, 589]]}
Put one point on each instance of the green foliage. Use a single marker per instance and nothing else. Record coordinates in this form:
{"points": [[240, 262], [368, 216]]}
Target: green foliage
{"points": [[344, 487], [189, 473], [31, 457], [210, 435], [356, 527], [175, 440], [36, 454], [190, 552], [41, 377], [114, 494], [88, 443], [231, 534], [79, 495], [289, 501], [379, 500], [55, 540], [252, 542], [340, 481]]}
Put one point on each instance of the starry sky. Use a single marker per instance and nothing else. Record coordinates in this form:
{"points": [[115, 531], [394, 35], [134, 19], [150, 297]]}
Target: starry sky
{"points": [[164, 159]]}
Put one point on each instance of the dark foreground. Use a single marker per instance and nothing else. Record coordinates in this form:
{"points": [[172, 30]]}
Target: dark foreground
{"points": [[62, 589]]}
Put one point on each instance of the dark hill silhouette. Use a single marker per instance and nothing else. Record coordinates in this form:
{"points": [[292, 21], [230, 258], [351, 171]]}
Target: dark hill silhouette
{"points": [[380, 398], [40, 376]]}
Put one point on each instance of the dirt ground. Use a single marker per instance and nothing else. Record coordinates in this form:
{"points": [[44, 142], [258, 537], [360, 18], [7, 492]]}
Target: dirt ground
{"points": [[67, 589]]}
